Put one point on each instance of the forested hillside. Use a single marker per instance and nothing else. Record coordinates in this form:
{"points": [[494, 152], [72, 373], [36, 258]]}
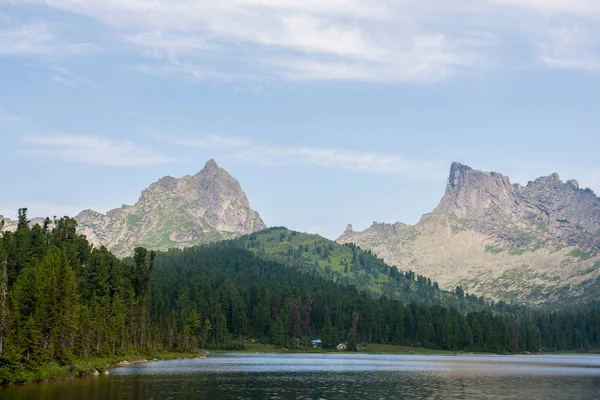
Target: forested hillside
{"points": [[243, 296], [350, 265], [63, 300]]}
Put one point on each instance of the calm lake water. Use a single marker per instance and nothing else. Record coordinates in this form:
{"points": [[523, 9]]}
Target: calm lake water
{"points": [[336, 376]]}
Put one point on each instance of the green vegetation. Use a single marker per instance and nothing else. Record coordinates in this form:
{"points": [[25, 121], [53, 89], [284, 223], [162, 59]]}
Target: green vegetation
{"points": [[578, 253], [134, 220], [457, 228], [377, 348], [517, 251], [68, 309], [519, 274], [543, 228], [23, 373], [493, 250], [557, 248], [349, 265], [373, 348]]}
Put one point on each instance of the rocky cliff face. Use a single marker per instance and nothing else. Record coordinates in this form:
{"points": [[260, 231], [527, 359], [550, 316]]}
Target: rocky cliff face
{"points": [[531, 243], [545, 212], [205, 207]]}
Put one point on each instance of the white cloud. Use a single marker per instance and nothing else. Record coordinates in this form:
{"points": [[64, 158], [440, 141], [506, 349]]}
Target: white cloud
{"points": [[174, 68], [572, 47], [66, 77], [573, 63], [32, 38], [351, 40], [211, 141], [244, 150], [428, 58], [91, 150], [344, 159], [587, 8], [7, 117], [158, 43], [37, 39], [354, 39]]}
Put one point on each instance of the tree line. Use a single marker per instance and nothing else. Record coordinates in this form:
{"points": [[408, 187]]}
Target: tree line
{"points": [[62, 299], [252, 298]]}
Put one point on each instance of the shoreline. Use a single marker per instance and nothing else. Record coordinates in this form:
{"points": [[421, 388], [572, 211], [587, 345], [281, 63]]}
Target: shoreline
{"points": [[81, 368], [53, 372]]}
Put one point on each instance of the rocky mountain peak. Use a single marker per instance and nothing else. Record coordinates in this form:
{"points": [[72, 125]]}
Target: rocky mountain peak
{"points": [[473, 192], [550, 181], [458, 174], [176, 212], [488, 235], [547, 210], [210, 164]]}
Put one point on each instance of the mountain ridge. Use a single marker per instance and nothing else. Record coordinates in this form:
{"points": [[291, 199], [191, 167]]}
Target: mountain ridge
{"points": [[528, 243], [570, 214]]}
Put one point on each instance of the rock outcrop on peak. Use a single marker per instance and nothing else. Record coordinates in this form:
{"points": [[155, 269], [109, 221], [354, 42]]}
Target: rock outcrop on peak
{"points": [[545, 212], [205, 207], [530, 243]]}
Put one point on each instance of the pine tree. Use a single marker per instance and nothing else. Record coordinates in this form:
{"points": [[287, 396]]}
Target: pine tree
{"points": [[278, 333], [205, 333], [3, 304], [31, 341], [194, 323], [67, 302]]}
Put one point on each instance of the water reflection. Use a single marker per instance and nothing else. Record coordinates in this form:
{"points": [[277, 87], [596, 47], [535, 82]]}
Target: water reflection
{"points": [[336, 377]]}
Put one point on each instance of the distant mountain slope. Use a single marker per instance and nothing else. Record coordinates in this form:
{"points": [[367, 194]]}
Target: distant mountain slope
{"points": [[206, 207], [537, 243], [349, 265]]}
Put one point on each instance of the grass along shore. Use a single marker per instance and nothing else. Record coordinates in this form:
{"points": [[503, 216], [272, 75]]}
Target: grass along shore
{"points": [[252, 348], [255, 348], [22, 373]]}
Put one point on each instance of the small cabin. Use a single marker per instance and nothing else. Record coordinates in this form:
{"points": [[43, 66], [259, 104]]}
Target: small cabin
{"points": [[317, 343], [341, 347]]}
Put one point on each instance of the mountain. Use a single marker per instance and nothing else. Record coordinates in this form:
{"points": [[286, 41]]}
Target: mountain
{"points": [[206, 207], [545, 212], [534, 243]]}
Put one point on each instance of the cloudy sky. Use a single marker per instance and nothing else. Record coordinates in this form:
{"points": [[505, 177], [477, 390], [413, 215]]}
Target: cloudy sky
{"points": [[328, 112]]}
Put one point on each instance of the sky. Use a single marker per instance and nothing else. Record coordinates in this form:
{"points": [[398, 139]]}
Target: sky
{"points": [[328, 112]]}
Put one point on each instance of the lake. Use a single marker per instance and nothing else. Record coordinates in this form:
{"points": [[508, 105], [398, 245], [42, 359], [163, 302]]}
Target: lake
{"points": [[335, 376]]}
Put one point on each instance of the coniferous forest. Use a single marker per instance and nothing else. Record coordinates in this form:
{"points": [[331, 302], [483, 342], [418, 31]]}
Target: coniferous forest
{"points": [[63, 300]]}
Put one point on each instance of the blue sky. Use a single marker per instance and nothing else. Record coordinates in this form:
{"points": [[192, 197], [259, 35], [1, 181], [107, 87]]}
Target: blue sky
{"points": [[327, 112]]}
